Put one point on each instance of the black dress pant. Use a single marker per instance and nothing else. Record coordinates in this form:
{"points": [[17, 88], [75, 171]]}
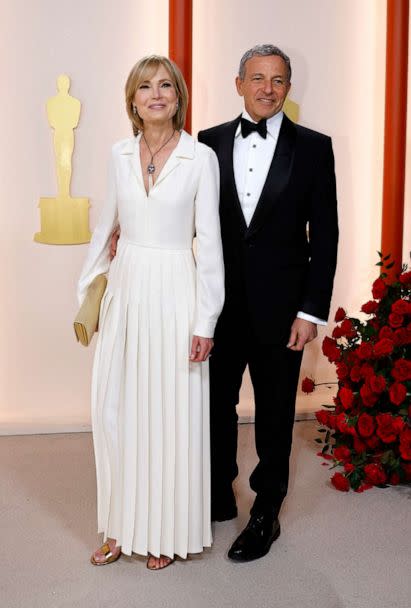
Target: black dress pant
{"points": [[274, 371]]}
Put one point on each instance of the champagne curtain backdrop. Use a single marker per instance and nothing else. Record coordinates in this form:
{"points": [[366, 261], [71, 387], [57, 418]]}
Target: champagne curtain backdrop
{"points": [[338, 81]]}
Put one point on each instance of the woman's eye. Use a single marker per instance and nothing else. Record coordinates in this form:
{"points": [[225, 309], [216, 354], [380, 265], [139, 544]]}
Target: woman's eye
{"points": [[143, 86], [166, 84]]}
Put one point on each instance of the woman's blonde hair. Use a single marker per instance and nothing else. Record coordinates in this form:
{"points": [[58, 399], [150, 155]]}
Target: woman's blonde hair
{"points": [[143, 70]]}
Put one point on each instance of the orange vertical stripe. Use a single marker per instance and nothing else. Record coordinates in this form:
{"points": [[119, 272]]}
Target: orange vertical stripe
{"points": [[395, 130], [180, 42]]}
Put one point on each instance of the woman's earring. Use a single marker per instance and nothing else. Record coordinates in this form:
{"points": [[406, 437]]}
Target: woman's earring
{"points": [[177, 105], [134, 109]]}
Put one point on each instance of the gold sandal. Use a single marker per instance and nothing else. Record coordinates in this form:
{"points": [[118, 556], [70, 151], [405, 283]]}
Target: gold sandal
{"points": [[160, 567], [109, 556]]}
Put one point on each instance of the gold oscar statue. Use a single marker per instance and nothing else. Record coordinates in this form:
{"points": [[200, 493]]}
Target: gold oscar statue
{"points": [[291, 109], [64, 220]]}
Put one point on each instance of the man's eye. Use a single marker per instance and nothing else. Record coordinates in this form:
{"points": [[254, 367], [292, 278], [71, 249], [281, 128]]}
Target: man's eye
{"points": [[256, 78], [278, 82]]}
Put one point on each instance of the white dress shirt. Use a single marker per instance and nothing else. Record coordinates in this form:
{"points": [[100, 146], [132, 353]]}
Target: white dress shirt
{"points": [[252, 158]]}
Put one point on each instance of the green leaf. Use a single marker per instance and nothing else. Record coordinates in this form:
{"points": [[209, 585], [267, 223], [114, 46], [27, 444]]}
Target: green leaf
{"points": [[379, 264], [379, 253], [322, 430], [318, 440], [329, 407], [387, 257], [390, 265]]}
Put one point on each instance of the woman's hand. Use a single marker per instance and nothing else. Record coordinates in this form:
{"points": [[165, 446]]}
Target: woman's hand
{"points": [[200, 348]]}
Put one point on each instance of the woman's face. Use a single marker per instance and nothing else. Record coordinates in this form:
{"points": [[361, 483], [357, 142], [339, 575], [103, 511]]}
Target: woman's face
{"points": [[156, 98]]}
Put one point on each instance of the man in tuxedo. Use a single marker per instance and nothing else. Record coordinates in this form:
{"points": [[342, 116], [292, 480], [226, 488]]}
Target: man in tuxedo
{"points": [[277, 180]]}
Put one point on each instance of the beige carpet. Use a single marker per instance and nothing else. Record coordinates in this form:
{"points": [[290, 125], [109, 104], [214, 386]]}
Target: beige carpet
{"points": [[336, 550]]}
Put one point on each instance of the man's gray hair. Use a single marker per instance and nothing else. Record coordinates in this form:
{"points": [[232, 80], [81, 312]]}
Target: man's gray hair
{"points": [[264, 50]]}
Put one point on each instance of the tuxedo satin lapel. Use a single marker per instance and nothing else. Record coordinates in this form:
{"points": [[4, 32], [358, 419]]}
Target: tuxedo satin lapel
{"points": [[227, 178], [278, 175]]}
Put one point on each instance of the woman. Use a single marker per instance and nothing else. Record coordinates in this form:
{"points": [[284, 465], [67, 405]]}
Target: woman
{"points": [[150, 388]]}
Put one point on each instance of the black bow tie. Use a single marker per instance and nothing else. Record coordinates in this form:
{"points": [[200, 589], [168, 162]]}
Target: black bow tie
{"points": [[248, 127]]}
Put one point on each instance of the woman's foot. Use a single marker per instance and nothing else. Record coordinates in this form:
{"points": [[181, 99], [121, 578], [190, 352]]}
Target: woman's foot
{"points": [[106, 554], [158, 563]]}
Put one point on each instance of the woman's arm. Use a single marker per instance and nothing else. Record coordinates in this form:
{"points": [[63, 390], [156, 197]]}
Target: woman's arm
{"points": [[98, 255]]}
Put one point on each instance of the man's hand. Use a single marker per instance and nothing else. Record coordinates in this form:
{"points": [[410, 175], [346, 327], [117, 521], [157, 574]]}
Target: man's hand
{"points": [[302, 332], [113, 243], [200, 349]]}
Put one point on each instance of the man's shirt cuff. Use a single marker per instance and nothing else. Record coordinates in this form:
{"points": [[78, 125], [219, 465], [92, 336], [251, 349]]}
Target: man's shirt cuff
{"points": [[316, 320]]}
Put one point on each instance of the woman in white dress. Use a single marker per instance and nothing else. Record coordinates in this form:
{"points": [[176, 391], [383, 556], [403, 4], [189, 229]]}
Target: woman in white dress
{"points": [[150, 391]]}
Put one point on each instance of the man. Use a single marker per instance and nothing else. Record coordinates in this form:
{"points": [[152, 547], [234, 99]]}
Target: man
{"points": [[276, 178]]}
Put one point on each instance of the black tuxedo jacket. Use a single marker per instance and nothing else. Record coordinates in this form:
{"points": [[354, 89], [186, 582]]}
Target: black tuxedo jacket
{"points": [[273, 267]]}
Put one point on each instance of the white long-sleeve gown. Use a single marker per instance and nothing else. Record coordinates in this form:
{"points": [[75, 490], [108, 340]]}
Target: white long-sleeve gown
{"points": [[150, 404]]}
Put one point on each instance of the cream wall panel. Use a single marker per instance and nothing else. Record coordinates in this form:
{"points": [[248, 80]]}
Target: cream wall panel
{"points": [[44, 373], [338, 56]]}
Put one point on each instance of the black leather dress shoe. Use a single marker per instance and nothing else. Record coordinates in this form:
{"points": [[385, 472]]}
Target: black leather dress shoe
{"points": [[256, 538]]}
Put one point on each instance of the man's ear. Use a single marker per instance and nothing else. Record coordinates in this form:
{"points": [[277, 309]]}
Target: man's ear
{"points": [[239, 85]]}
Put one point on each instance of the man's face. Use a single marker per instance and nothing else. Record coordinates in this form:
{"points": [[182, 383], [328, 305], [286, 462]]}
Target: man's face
{"points": [[265, 86]]}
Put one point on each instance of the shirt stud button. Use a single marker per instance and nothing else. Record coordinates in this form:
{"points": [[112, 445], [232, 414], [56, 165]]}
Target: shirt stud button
{"points": [[254, 145], [250, 169], [248, 194]]}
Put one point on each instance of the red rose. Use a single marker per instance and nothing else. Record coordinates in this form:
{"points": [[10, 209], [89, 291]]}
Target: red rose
{"points": [[339, 315], [401, 370], [395, 320], [331, 350], [348, 328], [355, 373], [379, 289], [346, 397], [365, 350], [368, 397], [401, 307], [342, 370], [383, 347], [374, 474], [322, 417], [377, 383], [332, 421], [359, 446], [405, 444], [337, 332], [385, 332], [363, 487], [394, 479], [342, 453], [365, 425], [369, 307], [367, 370], [405, 277], [386, 430], [397, 393], [349, 467], [374, 323], [307, 385], [340, 482], [342, 424], [402, 336], [373, 442]]}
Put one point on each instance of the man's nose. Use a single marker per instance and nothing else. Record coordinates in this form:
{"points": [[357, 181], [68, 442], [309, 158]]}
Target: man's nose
{"points": [[268, 87]]}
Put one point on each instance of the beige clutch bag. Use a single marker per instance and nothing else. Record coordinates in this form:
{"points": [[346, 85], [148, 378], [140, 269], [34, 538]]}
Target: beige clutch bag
{"points": [[86, 321]]}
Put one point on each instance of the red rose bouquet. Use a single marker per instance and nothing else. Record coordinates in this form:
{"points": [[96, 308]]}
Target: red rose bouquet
{"points": [[367, 431]]}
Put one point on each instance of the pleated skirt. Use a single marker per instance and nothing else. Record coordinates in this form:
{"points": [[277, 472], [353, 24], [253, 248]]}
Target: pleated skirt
{"points": [[150, 407]]}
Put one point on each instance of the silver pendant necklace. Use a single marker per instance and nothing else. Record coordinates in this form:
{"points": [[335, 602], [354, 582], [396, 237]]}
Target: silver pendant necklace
{"points": [[151, 167]]}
